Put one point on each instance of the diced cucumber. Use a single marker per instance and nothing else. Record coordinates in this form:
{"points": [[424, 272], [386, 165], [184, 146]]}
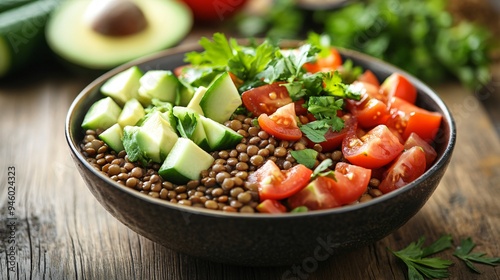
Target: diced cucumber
{"points": [[123, 86], [184, 96], [113, 137], [194, 103], [185, 162], [131, 146], [156, 137], [220, 137], [189, 122], [131, 113], [221, 99], [160, 84], [102, 114]]}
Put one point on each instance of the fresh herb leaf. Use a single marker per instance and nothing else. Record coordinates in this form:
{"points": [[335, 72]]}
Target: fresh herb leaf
{"points": [[134, 153], [300, 209], [320, 169], [321, 41], [335, 87], [349, 72], [315, 131], [324, 107], [216, 52], [306, 157], [463, 252], [419, 266], [187, 125]]}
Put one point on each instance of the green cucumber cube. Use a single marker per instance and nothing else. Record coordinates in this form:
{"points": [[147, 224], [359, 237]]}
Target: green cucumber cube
{"points": [[113, 137], [160, 84], [219, 136], [123, 86], [131, 113], [102, 114], [221, 99]]}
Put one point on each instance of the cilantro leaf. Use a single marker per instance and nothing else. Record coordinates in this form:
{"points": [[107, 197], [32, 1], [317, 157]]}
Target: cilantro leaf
{"points": [[306, 157], [419, 266], [187, 125], [322, 169], [315, 131], [324, 107], [216, 54], [335, 87], [463, 252]]}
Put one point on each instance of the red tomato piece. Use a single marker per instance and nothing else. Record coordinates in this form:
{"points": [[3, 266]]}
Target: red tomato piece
{"points": [[415, 141], [409, 166], [349, 184], [370, 111], [214, 10], [265, 99], [375, 149], [276, 184], [407, 118], [282, 124], [325, 64], [271, 206], [396, 85], [369, 77]]}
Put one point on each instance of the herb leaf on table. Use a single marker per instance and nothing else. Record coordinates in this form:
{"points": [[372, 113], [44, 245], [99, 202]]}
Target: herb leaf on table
{"points": [[463, 252]]}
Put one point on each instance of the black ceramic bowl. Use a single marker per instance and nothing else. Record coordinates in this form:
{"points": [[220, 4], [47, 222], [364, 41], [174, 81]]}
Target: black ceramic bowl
{"points": [[260, 239]]}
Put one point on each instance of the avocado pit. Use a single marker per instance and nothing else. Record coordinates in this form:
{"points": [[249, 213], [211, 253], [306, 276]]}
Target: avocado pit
{"points": [[116, 17]]}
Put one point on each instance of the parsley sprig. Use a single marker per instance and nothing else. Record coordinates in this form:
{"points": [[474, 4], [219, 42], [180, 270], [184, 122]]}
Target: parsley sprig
{"points": [[419, 264], [463, 252]]}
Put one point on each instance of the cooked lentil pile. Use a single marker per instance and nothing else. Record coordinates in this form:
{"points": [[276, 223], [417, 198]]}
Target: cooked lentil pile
{"points": [[223, 186]]}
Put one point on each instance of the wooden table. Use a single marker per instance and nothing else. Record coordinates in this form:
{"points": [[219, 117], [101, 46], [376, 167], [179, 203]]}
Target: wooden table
{"points": [[57, 230]]}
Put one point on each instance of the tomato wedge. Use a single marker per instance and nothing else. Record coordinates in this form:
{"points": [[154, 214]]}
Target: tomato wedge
{"points": [[409, 166], [369, 77], [265, 99], [282, 124], [415, 141], [328, 63], [396, 85], [407, 118], [370, 111], [271, 206], [375, 149], [349, 184], [276, 184]]}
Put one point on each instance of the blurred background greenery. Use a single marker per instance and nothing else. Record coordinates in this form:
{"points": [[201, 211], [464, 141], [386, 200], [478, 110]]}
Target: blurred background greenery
{"points": [[436, 40]]}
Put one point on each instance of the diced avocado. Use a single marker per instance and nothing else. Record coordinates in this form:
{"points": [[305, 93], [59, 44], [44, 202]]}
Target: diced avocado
{"points": [[194, 103], [221, 99], [190, 126], [220, 137], [160, 84], [123, 86], [156, 137], [131, 113], [113, 137], [102, 114], [185, 162]]}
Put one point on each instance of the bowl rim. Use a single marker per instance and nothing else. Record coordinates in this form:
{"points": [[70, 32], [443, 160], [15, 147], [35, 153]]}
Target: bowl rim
{"points": [[421, 87]]}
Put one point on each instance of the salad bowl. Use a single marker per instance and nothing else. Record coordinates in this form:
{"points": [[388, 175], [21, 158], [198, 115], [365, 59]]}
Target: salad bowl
{"points": [[259, 239]]}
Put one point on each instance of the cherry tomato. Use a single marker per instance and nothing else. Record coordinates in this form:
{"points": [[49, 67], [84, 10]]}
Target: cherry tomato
{"points": [[407, 118], [265, 99], [328, 63], [271, 206], [334, 138], [375, 149], [370, 111], [409, 166], [214, 10], [396, 85], [369, 77], [282, 124], [276, 184], [415, 141], [325, 192]]}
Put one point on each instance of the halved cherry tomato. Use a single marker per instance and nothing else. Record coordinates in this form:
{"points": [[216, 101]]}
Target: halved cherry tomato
{"points": [[396, 85], [265, 99], [369, 110], [375, 149], [271, 206], [328, 63], [415, 141], [334, 138], [409, 166], [282, 124], [349, 184], [407, 118], [369, 77], [276, 184]]}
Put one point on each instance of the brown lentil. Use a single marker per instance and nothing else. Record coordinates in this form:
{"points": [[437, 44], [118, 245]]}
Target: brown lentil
{"points": [[221, 187]]}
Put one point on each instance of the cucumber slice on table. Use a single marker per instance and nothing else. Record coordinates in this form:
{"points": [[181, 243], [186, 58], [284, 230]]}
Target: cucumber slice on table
{"points": [[185, 162], [102, 114], [22, 33], [123, 86], [221, 99]]}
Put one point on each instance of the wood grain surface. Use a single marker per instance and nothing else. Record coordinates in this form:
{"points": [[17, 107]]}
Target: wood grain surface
{"points": [[57, 230]]}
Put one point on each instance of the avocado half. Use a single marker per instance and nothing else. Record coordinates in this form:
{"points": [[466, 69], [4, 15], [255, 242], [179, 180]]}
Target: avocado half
{"points": [[71, 37]]}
